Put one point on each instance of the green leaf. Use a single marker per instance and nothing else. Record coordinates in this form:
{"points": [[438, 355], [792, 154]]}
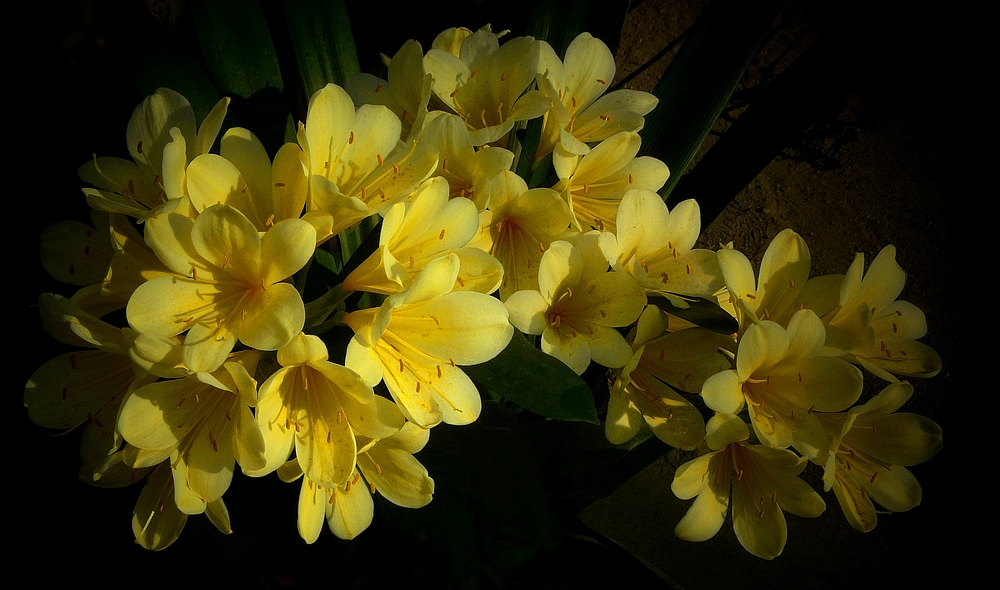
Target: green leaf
{"points": [[533, 380], [699, 81], [168, 64], [237, 46], [323, 42], [701, 312]]}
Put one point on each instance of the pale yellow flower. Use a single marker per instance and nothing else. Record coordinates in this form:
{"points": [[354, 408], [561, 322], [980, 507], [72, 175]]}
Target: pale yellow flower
{"points": [[485, 83], [427, 226], [581, 113], [228, 283], [759, 482], [467, 170], [161, 138], [645, 391], [578, 305], [783, 380], [417, 340], [406, 92], [594, 184], [203, 424], [870, 446], [656, 246]]}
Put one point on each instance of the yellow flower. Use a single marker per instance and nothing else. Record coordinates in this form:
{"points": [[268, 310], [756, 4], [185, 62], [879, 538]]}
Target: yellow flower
{"points": [[467, 170], [406, 92], [485, 83], [522, 225], [780, 375], [870, 446], [646, 389], [580, 112], [759, 482], [227, 285], [594, 184], [578, 305], [417, 339], [203, 424], [417, 231], [315, 407], [656, 246], [161, 139]]}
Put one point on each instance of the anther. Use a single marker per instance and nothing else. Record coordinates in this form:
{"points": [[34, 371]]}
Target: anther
{"points": [[761, 513], [662, 352], [606, 118], [340, 416], [556, 321], [751, 296], [500, 106], [631, 179], [800, 377], [215, 443], [378, 469], [329, 437], [874, 475], [503, 77], [72, 360], [541, 246], [670, 414], [473, 73], [461, 282], [138, 146], [372, 487], [604, 314], [645, 267], [379, 159], [848, 463], [194, 274], [270, 220], [899, 313], [440, 374], [874, 429], [395, 169], [404, 116], [590, 289], [688, 266], [444, 164], [767, 314], [793, 416], [441, 235], [350, 138], [873, 311], [364, 194], [418, 387], [332, 498], [411, 262], [585, 189], [802, 305], [244, 188], [774, 496], [739, 476], [569, 292], [378, 88], [600, 223], [791, 283], [381, 193], [453, 93], [664, 278], [347, 487], [600, 81], [436, 321], [895, 328], [590, 329], [400, 365], [573, 100], [451, 361], [357, 476]]}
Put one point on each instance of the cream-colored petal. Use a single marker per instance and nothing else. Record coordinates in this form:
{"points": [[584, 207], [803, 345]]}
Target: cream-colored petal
{"points": [[723, 392], [352, 511]]}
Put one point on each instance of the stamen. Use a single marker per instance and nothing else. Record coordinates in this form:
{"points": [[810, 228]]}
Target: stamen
{"points": [[645, 267], [138, 146], [340, 416], [378, 88], [395, 169], [751, 296], [688, 268], [604, 314], [350, 138], [436, 321], [874, 475], [347, 487], [499, 107], [739, 476], [895, 328], [72, 360], [452, 361], [662, 352], [400, 365], [767, 314], [412, 262], [793, 415], [874, 428], [444, 164], [664, 278], [791, 283], [569, 292], [215, 443], [573, 99], [473, 73], [631, 179], [270, 220], [357, 476], [503, 76], [381, 193], [379, 159], [378, 469], [605, 118], [774, 496], [418, 387], [441, 235], [194, 274], [329, 437], [440, 374], [600, 81], [541, 246], [453, 93], [372, 486]]}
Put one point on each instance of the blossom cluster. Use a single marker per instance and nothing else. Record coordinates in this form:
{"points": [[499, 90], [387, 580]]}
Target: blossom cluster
{"points": [[223, 363]]}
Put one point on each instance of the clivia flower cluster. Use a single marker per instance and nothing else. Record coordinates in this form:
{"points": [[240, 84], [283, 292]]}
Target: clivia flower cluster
{"points": [[223, 363]]}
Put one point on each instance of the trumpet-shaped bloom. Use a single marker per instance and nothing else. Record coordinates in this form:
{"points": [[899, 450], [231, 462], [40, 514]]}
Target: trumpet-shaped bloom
{"points": [[423, 228], [656, 246], [522, 225], [357, 166], [417, 339], [467, 170], [485, 83], [645, 390], [581, 113], [161, 139], [391, 469], [783, 274], [578, 306], [316, 407], [202, 424], [780, 375], [594, 184], [406, 92], [759, 482], [228, 285], [870, 446], [870, 327]]}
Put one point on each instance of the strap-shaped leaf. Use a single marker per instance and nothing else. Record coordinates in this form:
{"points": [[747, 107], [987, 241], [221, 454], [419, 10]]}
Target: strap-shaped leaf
{"points": [[323, 42], [535, 381], [237, 47], [701, 312], [700, 79]]}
